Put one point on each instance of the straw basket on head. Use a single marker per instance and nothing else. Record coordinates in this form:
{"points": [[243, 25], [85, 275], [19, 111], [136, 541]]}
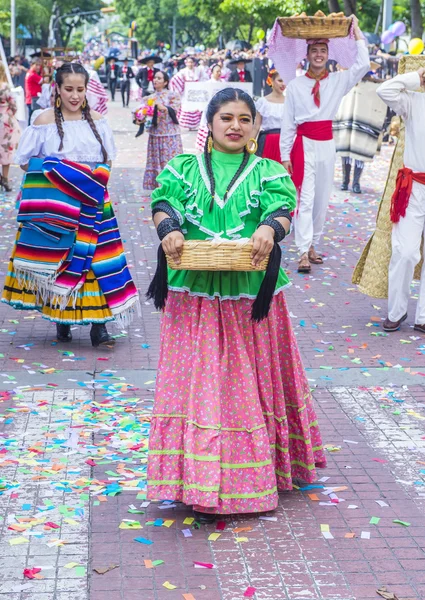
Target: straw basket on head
{"points": [[309, 28], [217, 255]]}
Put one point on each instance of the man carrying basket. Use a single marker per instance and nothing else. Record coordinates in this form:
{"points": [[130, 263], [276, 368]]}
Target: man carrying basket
{"points": [[312, 101]]}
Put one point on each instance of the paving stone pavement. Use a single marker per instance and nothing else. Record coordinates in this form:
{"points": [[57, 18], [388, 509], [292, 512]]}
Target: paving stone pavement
{"points": [[63, 440]]}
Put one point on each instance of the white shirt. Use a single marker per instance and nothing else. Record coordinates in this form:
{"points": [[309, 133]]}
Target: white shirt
{"points": [[299, 104], [271, 113], [79, 143], [400, 94]]}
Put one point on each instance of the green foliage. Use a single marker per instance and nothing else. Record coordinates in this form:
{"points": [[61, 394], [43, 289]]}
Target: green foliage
{"points": [[35, 15], [204, 21], [76, 41]]}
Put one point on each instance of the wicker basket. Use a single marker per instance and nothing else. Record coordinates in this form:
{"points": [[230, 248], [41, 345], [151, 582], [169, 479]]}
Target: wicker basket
{"points": [[307, 28], [217, 255]]}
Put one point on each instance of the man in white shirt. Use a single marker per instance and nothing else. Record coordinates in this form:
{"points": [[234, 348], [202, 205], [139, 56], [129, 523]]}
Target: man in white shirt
{"points": [[408, 202], [312, 102]]}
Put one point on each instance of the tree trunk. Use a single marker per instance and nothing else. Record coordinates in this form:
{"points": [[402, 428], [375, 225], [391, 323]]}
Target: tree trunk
{"points": [[350, 7], [333, 6], [416, 24], [251, 30]]}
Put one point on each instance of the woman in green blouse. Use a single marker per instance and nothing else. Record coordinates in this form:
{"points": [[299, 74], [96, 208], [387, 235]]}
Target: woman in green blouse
{"points": [[233, 420]]}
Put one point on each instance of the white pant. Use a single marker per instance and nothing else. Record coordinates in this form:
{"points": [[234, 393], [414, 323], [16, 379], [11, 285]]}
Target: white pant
{"points": [[319, 164], [406, 253]]}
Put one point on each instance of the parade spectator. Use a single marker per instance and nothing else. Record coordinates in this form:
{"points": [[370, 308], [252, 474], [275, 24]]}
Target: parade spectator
{"points": [[18, 72], [9, 129], [33, 83]]}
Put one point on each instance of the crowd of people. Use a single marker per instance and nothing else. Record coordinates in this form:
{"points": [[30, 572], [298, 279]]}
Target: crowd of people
{"points": [[233, 422]]}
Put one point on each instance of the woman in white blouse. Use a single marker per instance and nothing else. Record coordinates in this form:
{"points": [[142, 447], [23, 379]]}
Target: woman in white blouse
{"points": [[269, 118], [69, 130]]}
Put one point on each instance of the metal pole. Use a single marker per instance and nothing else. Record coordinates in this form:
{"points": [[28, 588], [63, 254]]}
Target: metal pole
{"points": [[388, 14], [387, 17], [173, 43], [12, 27]]}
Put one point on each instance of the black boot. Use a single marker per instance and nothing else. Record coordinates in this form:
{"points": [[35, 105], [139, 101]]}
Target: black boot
{"points": [[99, 335], [63, 332], [356, 179], [346, 170]]}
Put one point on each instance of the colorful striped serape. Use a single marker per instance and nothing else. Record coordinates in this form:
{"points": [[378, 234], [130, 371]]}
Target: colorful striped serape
{"points": [[49, 264]]}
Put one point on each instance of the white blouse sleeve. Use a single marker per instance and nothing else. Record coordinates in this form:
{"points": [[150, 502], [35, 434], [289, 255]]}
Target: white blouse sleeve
{"points": [[107, 136], [260, 106], [30, 144]]}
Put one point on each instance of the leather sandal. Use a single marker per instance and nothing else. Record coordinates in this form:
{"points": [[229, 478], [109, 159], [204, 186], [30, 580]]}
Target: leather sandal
{"points": [[314, 258], [304, 264]]}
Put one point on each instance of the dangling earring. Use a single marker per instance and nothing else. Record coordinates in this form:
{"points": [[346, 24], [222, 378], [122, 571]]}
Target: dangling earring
{"points": [[58, 102], [84, 104], [210, 143], [252, 146]]}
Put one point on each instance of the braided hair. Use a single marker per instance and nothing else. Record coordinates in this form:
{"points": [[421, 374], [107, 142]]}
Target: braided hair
{"points": [[217, 101], [68, 69]]}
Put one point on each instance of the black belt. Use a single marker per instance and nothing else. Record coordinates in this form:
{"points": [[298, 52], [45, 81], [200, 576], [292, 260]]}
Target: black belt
{"points": [[262, 139]]}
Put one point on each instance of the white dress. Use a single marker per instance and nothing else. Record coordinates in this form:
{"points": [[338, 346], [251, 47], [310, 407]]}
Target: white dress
{"points": [[271, 113], [79, 142]]}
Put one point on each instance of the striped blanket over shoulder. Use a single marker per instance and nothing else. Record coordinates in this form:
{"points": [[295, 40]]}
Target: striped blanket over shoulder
{"points": [[67, 228], [359, 122]]}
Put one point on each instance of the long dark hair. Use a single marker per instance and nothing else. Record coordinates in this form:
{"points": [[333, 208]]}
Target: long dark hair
{"points": [[68, 69], [217, 101]]}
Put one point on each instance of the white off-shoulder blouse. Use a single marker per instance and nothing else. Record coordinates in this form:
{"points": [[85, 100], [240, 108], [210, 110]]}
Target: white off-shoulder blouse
{"points": [[79, 142], [271, 112]]}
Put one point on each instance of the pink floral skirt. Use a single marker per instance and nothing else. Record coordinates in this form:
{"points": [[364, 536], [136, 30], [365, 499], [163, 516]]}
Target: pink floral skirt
{"points": [[233, 419]]}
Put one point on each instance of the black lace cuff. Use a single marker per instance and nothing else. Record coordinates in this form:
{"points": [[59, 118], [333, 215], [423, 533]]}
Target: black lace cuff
{"points": [[282, 212], [279, 230], [164, 207], [167, 226]]}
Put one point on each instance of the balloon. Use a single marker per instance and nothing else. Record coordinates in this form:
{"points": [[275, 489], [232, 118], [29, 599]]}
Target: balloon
{"points": [[387, 37], [98, 62], [167, 46], [397, 28], [416, 46], [261, 34]]}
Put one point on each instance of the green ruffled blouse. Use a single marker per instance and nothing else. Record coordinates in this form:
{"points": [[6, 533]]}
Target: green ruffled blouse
{"points": [[263, 187]]}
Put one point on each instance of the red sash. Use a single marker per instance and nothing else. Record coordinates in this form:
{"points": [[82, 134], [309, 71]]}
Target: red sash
{"points": [[313, 130], [403, 189]]}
